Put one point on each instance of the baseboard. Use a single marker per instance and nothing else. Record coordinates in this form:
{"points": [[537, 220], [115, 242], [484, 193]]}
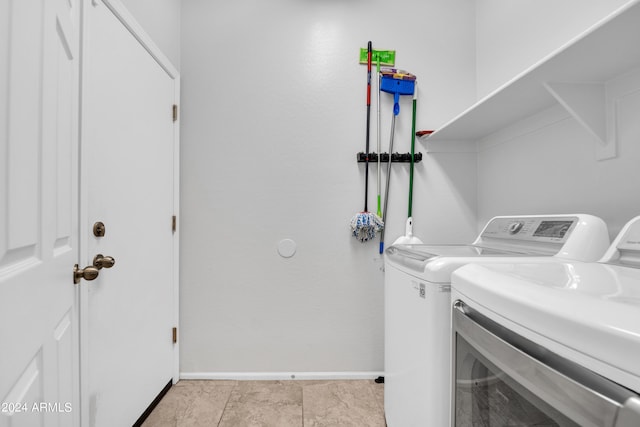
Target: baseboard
{"points": [[246, 376]]}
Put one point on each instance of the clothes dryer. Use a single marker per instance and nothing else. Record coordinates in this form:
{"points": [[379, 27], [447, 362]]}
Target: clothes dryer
{"points": [[555, 343], [418, 309]]}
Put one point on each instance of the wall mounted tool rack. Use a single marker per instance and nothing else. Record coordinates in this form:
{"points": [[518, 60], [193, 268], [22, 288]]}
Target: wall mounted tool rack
{"points": [[395, 157]]}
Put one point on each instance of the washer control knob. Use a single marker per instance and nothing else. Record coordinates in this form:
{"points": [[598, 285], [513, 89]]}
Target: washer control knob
{"points": [[515, 227]]}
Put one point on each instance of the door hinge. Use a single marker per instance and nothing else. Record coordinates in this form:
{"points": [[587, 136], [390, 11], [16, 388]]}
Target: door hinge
{"points": [[174, 335], [175, 112], [174, 223]]}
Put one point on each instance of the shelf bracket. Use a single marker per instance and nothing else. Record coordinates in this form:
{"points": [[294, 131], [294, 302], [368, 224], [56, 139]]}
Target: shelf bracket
{"points": [[589, 105]]}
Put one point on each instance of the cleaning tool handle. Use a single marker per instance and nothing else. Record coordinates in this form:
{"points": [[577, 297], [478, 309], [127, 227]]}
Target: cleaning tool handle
{"points": [[379, 211], [369, 74], [366, 173], [413, 146], [386, 193], [396, 104]]}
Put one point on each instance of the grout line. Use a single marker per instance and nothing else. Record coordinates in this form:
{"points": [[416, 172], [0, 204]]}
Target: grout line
{"points": [[302, 402], [371, 387], [226, 404]]}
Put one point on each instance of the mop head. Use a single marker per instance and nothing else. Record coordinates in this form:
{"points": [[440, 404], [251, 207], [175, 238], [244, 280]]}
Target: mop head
{"points": [[364, 226]]}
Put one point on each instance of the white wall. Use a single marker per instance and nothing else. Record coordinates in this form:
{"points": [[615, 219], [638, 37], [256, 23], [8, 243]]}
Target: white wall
{"points": [[554, 170], [161, 20], [278, 85], [547, 163], [513, 35], [273, 114]]}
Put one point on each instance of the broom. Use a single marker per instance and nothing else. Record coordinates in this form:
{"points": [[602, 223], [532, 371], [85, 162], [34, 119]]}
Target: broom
{"points": [[365, 224]]}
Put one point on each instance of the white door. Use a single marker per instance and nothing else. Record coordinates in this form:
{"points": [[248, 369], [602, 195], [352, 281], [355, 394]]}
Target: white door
{"points": [[38, 212], [128, 148]]}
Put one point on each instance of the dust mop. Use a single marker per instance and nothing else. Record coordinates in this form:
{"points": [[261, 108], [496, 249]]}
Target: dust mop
{"points": [[365, 224], [398, 83], [388, 59], [409, 238], [384, 57]]}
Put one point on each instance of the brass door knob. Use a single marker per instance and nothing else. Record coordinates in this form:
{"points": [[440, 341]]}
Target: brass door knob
{"points": [[100, 261], [88, 273]]}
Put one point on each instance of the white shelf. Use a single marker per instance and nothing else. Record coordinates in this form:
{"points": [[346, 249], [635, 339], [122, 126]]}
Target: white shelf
{"points": [[574, 76]]}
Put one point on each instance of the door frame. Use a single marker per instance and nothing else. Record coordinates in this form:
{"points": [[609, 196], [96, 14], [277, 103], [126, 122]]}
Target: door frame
{"points": [[129, 22]]}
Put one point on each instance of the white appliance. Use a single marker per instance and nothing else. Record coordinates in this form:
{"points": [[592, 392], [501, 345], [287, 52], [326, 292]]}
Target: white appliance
{"points": [[553, 344], [418, 310]]}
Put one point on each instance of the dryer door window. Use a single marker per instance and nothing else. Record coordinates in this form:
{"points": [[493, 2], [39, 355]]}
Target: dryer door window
{"points": [[503, 379], [486, 396]]}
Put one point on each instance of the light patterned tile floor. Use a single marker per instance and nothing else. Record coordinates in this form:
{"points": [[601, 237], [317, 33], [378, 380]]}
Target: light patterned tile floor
{"points": [[352, 403]]}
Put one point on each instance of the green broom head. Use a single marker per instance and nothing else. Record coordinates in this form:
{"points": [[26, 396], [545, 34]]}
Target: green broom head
{"points": [[365, 225]]}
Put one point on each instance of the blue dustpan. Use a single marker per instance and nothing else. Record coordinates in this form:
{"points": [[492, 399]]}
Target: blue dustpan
{"points": [[398, 83]]}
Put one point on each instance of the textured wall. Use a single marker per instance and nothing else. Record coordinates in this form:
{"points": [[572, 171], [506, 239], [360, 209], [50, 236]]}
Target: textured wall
{"points": [[554, 170], [547, 164], [273, 114], [514, 35]]}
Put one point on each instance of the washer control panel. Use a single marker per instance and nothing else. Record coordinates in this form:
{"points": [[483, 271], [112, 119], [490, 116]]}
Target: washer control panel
{"points": [[540, 228]]}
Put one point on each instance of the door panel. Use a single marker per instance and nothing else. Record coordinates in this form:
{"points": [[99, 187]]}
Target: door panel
{"points": [[38, 212], [128, 144], [23, 84]]}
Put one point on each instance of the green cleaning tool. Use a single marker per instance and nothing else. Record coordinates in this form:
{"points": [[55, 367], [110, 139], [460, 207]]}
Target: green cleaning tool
{"points": [[379, 212], [384, 57], [398, 83], [409, 238]]}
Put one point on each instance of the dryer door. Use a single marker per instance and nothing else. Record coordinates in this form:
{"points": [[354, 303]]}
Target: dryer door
{"points": [[500, 378]]}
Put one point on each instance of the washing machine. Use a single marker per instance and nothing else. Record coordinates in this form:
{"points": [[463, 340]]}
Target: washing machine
{"points": [[418, 309], [553, 344]]}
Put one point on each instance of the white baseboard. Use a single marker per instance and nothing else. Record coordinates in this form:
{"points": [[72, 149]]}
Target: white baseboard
{"points": [[246, 376]]}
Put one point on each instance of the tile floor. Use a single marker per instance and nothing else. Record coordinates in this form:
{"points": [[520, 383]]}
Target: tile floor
{"points": [[299, 403]]}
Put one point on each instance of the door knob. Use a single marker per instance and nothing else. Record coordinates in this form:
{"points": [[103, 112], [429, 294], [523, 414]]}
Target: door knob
{"points": [[100, 261], [88, 273]]}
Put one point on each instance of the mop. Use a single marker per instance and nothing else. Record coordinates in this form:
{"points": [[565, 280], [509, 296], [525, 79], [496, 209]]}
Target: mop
{"points": [[398, 83], [365, 224], [409, 238]]}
